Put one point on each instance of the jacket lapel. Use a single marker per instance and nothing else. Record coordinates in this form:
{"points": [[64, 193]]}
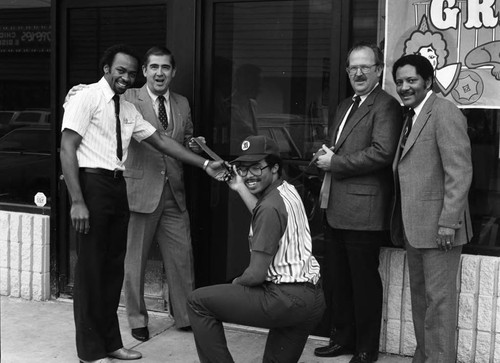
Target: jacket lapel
{"points": [[176, 113], [146, 104], [419, 124], [360, 113]]}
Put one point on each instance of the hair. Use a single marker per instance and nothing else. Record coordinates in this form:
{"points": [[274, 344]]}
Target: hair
{"points": [[109, 55], [158, 50], [421, 64], [271, 160], [420, 40], [379, 56]]}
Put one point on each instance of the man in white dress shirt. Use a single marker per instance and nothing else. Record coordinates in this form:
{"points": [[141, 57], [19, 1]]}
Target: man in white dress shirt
{"points": [[96, 132]]}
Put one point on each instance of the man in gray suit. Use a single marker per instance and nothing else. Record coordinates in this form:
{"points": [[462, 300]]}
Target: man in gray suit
{"points": [[155, 190], [433, 173], [357, 192]]}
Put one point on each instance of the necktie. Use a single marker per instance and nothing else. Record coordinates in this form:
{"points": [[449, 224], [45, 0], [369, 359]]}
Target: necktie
{"points": [[162, 113], [354, 107], [408, 123], [119, 150]]}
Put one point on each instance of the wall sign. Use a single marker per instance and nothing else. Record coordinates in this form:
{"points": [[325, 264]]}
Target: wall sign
{"points": [[461, 38], [25, 39]]}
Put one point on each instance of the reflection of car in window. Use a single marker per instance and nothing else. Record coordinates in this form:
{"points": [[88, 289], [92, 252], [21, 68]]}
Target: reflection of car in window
{"points": [[30, 118], [5, 119], [25, 164]]}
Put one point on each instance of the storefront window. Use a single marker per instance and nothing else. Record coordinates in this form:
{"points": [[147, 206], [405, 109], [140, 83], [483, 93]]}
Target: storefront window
{"points": [[484, 196], [25, 118], [271, 73]]}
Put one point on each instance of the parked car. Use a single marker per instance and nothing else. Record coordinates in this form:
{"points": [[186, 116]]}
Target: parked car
{"points": [[5, 119], [25, 164], [30, 118]]}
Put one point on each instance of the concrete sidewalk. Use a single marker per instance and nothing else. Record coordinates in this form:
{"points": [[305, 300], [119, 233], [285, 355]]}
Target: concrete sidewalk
{"points": [[36, 332]]}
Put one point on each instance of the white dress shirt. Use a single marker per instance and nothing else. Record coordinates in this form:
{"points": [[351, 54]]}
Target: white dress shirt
{"points": [[91, 114]]}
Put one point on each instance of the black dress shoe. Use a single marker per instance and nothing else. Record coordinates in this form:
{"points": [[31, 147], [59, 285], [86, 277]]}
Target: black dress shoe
{"points": [[141, 334], [186, 328], [364, 357], [333, 350]]}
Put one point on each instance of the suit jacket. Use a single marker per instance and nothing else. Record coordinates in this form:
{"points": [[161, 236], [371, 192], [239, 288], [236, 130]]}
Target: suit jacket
{"points": [[362, 184], [146, 168], [434, 173]]}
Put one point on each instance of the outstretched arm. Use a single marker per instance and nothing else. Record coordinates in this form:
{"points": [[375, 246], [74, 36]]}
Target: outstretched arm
{"points": [[167, 145]]}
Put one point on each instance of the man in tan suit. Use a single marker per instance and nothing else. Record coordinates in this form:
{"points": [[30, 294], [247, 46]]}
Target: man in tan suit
{"points": [[156, 195], [433, 173], [358, 206]]}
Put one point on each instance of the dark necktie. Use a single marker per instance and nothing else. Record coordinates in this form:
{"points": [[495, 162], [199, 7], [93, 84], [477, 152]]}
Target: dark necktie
{"points": [[408, 123], [355, 105], [119, 150], [162, 113]]}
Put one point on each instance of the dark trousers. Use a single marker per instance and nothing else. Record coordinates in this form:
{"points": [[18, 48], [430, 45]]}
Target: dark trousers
{"points": [[99, 266], [353, 287], [290, 311]]}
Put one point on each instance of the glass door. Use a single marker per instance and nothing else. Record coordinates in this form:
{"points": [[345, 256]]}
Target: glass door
{"points": [[270, 71]]}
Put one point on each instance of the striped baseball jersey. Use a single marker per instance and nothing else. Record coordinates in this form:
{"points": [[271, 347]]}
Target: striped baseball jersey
{"points": [[280, 227]]}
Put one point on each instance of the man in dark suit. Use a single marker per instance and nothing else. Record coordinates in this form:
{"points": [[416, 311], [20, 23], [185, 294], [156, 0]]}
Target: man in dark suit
{"points": [[156, 195], [433, 173], [356, 192]]}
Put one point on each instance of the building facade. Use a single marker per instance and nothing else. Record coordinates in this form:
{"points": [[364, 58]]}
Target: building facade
{"points": [[286, 58]]}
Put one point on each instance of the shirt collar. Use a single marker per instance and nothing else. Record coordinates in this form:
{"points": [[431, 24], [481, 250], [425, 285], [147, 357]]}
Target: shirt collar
{"points": [[106, 89], [365, 96], [421, 105], [155, 97], [269, 189]]}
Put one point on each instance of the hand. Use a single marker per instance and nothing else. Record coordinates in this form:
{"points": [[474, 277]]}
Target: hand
{"points": [[219, 170], [74, 90], [325, 159], [235, 281], [445, 238], [80, 217], [236, 182], [194, 147]]}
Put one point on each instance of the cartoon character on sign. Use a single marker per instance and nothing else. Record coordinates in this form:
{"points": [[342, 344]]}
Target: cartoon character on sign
{"points": [[485, 55], [433, 46]]}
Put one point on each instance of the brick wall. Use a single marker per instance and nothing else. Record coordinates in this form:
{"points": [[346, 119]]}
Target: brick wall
{"points": [[479, 307], [25, 266], [24, 255]]}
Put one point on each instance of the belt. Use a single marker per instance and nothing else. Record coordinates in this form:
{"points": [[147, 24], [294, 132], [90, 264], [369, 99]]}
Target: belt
{"points": [[109, 173], [306, 284], [311, 285]]}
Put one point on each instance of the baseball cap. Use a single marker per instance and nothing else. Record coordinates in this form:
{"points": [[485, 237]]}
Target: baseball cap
{"points": [[256, 148]]}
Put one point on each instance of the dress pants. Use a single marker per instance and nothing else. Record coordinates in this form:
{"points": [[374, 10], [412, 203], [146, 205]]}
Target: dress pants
{"points": [[99, 266], [170, 227], [354, 286], [434, 300], [290, 311]]}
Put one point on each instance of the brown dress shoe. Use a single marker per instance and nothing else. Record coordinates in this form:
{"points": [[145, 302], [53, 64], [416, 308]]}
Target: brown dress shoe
{"points": [[125, 354]]}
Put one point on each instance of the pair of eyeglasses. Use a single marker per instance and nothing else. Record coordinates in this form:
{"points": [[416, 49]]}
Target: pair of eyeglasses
{"points": [[364, 69], [255, 169]]}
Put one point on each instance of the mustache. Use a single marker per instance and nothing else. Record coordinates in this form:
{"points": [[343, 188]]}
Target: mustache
{"points": [[360, 78]]}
